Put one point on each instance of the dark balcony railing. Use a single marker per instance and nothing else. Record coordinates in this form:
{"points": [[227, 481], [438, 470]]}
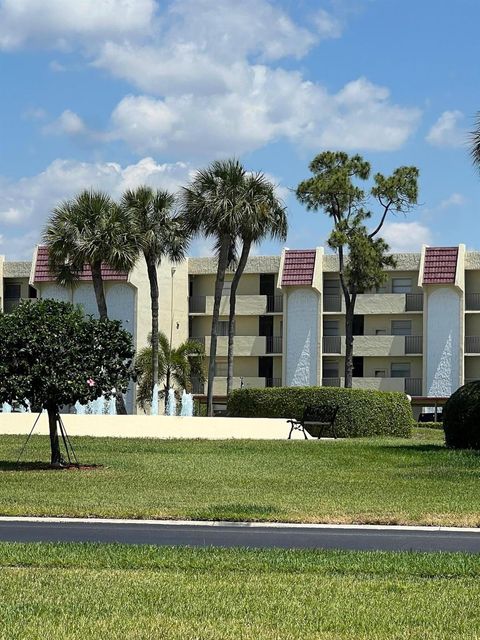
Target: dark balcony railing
{"points": [[274, 304], [274, 344], [273, 382], [332, 303], [472, 301], [413, 386], [200, 339], [332, 344], [472, 344], [198, 386], [413, 344], [197, 304], [331, 382], [414, 302]]}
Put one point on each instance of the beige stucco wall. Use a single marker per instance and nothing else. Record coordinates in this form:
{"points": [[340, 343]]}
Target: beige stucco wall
{"points": [[384, 322], [255, 264], [139, 279]]}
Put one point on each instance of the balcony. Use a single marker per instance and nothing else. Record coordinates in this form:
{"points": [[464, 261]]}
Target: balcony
{"points": [[412, 386], [376, 346], [245, 382], [255, 305], [273, 344], [472, 344], [472, 301], [244, 345], [10, 304], [376, 303], [275, 304]]}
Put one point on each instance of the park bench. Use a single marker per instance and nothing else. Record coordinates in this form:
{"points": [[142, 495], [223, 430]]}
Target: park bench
{"points": [[315, 420]]}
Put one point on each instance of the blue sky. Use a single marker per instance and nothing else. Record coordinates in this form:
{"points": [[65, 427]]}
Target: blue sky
{"points": [[114, 93]]}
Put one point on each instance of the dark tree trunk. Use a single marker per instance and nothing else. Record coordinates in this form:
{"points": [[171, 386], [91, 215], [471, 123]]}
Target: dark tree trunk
{"points": [[153, 279], [221, 268], [349, 345], [55, 455], [231, 320], [97, 280]]}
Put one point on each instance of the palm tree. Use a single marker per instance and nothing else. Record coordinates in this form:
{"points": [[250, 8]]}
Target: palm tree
{"points": [[179, 365], [263, 215], [475, 143], [212, 204], [90, 229], [158, 234]]}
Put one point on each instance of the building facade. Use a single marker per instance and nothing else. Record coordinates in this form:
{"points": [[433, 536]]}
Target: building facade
{"points": [[419, 333]]}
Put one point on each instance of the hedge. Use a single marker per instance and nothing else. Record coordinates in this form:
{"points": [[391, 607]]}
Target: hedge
{"points": [[361, 412], [461, 417]]}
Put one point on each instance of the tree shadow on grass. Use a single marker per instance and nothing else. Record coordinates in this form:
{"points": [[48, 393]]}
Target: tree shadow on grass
{"points": [[234, 512], [9, 465]]}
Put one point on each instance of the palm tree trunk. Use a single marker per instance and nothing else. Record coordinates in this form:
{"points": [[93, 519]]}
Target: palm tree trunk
{"points": [[55, 455], [97, 280], [221, 268], [231, 319], [153, 279]]}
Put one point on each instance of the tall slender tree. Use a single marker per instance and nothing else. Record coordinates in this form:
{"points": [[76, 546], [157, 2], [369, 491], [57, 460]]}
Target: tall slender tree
{"points": [[212, 204], [263, 215], [362, 255], [158, 234], [90, 229], [475, 143]]}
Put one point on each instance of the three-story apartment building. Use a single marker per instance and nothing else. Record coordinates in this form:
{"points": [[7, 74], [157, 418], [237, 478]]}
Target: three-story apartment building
{"points": [[419, 333]]}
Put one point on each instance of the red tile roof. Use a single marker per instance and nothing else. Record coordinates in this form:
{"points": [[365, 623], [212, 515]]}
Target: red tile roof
{"points": [[440, 265], [298, 267], [42, 270]]}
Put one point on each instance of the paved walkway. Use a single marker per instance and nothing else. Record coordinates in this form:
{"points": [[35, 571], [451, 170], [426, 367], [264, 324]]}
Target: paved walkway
{"points": [[229, 534], [141, 426]]}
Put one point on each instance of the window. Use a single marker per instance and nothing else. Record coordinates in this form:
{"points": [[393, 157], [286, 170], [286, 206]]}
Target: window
{"points": [[401, 285], [331, 287], [222, 328], [401, 327], [221, 367], [380, 332], [330, 328], [330, 369], [380, 373], [13, 291], [267, 284], [400, 370], [381, 289]]}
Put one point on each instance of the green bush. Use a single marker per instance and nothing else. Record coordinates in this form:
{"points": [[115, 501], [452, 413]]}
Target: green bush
{"points": [[461, 418], [361, 412], [430, 425]]}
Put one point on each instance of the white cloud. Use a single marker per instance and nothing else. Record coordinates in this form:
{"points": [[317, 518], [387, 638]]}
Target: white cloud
{"points": [[25, 204], [328, 25], [446, 131], [58, 24], [56, 67], [455, 200], [267, 105], [406, 236], [68, 123]]}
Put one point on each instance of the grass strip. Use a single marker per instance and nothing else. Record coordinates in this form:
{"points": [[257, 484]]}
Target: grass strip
{"points": [[112, 591], [376, 481]]}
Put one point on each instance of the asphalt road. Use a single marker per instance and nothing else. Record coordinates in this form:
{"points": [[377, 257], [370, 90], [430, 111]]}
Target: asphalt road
{"points": [[242, 535]]}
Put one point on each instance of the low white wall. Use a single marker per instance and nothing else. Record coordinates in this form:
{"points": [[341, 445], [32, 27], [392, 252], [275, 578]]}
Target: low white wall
{"points": [[218, 428]]}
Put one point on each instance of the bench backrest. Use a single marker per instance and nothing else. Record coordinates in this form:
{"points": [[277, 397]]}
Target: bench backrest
{"points": [[320, 413]]}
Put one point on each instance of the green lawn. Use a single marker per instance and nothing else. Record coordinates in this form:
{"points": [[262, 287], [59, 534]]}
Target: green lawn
{"points": [[66, 592], [371, 480]]}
